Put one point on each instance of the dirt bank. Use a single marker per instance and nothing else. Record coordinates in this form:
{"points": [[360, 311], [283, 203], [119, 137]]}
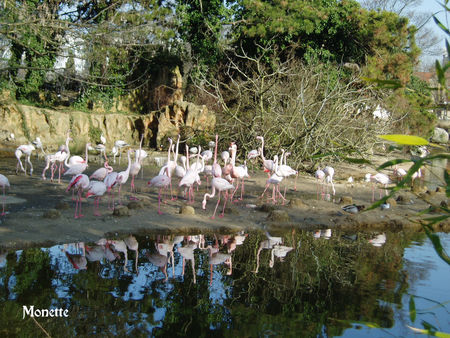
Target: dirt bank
{"points": [[30, 199]]}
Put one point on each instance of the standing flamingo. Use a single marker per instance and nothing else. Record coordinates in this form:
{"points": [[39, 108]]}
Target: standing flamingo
{"points": [[320, 177], [77, 166], [101, 173], [380, 179], [329, 173], [268, 164], [24, 149], [119, 144], [4, 182], [190, 178], [111, 181], [134, 170], [160, 181], [122, 177], [238, 172], [97, 189], [60, 156], [169, 167], [275, 180], [216, 169], [38, 143], [78, 183], [286, 170], [220, 184]]}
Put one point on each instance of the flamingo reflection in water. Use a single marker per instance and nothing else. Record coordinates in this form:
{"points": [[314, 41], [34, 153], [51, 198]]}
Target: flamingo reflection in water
{"points": [[276, 247], [216, 258], [187, 252], [77, 259]]}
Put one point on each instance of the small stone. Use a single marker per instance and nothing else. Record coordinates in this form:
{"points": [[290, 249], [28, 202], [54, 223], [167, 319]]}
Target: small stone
{"points": [[52, 214], [187, 210], [121, 210], [296, 203], [392, 202], [279, 216], [266, 208], [62, 206], [346, 200], [135, 205]]}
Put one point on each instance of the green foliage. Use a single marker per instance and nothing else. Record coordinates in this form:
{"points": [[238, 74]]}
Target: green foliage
{"points": [[201, 25]]}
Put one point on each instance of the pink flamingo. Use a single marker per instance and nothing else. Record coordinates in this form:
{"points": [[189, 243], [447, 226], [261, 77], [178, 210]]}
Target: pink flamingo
{"points": [[170, 166], [110, 181], [219, 184], [190, 178], [4, 182], [160, 181], [97, 189], [239, 173], [399, 173], [380, 179], [101, 173], [77, 166], [24, 149], [329, 173], [60, 157], [320, 177], [216, 169], [268, 164], [288, 170], [122, 177], [275, 180], [135, 168], [78, 183]]}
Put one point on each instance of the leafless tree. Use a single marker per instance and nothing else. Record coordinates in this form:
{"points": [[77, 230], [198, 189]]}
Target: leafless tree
{"points": [[305, 109]]}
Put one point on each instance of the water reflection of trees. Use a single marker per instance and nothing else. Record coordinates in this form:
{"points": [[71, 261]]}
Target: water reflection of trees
{"points": [[319, 286]]}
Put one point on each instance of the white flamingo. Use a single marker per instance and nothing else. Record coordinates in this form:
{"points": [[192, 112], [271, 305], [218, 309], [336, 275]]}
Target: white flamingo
{"points": [[4, 182], [220, 184], [24, 149], [122, 176], [78, 183], [97, 189]]}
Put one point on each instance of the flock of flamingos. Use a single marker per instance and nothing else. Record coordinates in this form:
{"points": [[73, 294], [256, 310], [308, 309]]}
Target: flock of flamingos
{"points": [[225, 179]]}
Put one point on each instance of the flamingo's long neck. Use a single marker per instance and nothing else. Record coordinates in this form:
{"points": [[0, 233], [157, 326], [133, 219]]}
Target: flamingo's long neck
{"points": [[87, 152], [129, 161], [187, 157], [262, 149], [215, 150], [176, 149], [168, 153]]}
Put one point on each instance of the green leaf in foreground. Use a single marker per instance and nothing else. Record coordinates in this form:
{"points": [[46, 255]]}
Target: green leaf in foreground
{"points": [[412, 309], [429, 332], [409, 140]]}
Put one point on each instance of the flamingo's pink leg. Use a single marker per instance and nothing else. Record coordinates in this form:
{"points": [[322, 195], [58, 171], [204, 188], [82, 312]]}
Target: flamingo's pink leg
{"points": [[218, 201], [223, 210]]}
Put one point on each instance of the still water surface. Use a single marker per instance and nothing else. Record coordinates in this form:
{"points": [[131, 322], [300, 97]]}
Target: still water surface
{"points": [[289, 283]]}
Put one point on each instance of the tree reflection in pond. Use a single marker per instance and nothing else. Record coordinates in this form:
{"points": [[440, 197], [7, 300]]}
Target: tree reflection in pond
{"points": [[277, 283]]}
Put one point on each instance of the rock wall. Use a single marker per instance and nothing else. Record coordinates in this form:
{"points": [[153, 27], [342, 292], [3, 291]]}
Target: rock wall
{"points": [[28, 122]]}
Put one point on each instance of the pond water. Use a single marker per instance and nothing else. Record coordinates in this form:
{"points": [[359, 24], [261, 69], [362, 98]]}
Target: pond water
{"points": [[289, 283]]}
